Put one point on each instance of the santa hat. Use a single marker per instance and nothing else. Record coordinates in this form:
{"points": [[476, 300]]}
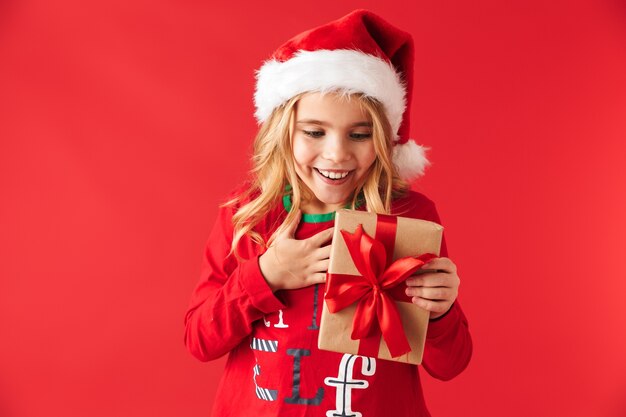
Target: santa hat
{"points": [[359, 53]]}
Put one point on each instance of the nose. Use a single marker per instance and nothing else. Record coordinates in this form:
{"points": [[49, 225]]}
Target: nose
{"points": [[336, 149]]}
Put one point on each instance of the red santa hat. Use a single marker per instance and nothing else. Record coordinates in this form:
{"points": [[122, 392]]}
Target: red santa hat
{"points": [[359, 53]]}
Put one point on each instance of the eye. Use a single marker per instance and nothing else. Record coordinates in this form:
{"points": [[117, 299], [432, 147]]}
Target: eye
{"points": [[360, 136], [313, 133]]}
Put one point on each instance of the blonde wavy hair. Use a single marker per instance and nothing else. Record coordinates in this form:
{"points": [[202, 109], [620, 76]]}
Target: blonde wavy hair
{"points": [[273, 169]]}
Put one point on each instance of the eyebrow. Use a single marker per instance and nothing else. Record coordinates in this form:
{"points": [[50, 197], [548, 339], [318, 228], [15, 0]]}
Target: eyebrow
{"points": [[321, 123]]}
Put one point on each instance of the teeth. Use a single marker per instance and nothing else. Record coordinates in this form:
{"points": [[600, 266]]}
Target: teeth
{"points": [[334, 175]]}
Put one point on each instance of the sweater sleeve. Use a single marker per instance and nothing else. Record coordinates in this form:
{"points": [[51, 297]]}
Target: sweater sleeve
{"points": [[231, 295], [448, 347]]}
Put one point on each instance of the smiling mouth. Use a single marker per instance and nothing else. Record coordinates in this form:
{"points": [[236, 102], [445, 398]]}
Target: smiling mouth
{"points": [[333, 175]]}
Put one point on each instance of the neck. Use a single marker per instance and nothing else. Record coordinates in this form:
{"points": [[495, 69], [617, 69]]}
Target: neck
{"points": [[317, 207]]}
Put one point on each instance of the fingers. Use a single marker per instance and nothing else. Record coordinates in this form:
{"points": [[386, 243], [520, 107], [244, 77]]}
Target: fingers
{"points": [[321, 266], [318, 278], [432, 293], [440, 264], [291, 230], [432, 306], [433, 279], [323, 252]]}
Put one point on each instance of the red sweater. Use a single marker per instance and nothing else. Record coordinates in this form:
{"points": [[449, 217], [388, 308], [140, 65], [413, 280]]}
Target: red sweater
{"points": [[274, 367]]}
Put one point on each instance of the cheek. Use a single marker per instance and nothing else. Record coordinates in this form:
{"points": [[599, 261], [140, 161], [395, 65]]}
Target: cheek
{"points": [[302, 153], [368, 157], [298, 157]]}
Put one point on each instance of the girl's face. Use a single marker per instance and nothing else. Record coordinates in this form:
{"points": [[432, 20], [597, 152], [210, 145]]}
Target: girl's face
{"points": [[333, 149]]}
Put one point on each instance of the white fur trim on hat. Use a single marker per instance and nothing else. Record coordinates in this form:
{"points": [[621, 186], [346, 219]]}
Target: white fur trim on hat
{"points": [[326, 70], [410, 159]]}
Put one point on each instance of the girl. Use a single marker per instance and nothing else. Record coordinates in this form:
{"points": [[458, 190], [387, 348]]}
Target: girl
{"points": [[334, 107]]}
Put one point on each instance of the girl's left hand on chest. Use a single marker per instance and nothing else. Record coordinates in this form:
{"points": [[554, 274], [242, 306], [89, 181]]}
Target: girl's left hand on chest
{"points": [[436, 288]]}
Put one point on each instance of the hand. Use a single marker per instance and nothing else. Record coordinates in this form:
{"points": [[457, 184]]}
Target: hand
{"points": [[290, 263], [435, 289]]}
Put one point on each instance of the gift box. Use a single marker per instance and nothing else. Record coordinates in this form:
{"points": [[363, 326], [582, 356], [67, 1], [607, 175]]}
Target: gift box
{"points": [[366, 310]]}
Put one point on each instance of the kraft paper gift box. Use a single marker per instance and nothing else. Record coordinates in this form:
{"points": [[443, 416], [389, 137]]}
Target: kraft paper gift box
{"points": [[402, 237]]}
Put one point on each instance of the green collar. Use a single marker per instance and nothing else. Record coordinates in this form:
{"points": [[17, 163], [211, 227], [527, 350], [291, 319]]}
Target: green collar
{"points": [[309, 218]]}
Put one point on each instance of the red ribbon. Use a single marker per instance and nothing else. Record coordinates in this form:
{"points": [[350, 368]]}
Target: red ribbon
{"points": [[376, 289]]}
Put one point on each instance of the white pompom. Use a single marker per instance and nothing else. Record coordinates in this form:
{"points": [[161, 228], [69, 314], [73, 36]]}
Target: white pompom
{"points": [[410, 159]]}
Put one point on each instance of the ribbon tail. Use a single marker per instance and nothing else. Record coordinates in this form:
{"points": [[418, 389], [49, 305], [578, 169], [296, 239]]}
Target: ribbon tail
{"points": [[365, 326], [370, 345], [391, 326], [364, 317]]}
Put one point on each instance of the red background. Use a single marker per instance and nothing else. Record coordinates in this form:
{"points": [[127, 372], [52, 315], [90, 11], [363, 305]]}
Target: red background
{"points": [[124, 124]]}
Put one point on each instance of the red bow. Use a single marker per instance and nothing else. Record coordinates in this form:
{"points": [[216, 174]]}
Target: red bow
{"points": [[376, 289]]}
